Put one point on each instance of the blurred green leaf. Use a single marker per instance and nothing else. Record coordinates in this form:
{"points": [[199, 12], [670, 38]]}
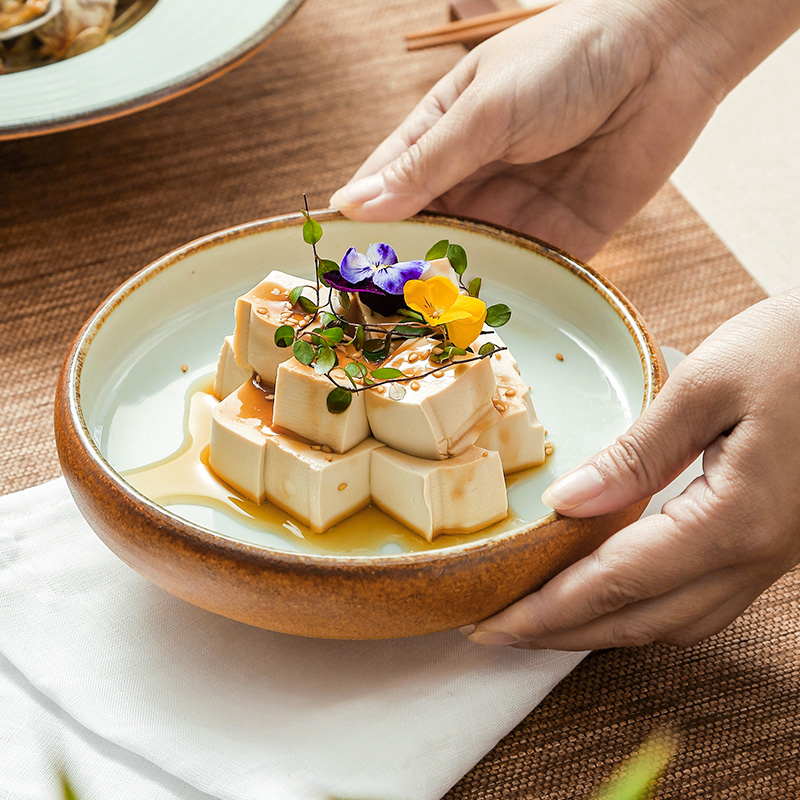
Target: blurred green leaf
{"points": [[67, 792], [637, 779]]}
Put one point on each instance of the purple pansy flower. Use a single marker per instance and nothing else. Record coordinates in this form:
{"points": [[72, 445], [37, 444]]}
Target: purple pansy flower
{"points": [[380, 266]]}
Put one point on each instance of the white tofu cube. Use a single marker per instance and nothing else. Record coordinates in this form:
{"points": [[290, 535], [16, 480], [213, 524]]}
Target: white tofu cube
{"points": [[517, 436], [259, 313], [301, 408], [240, 430], [229, 374], [318, 488], [459, 495], [440, 415]]}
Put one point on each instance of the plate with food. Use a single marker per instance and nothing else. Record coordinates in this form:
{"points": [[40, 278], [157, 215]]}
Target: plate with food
{"points": [[68, 63], [343, 429]]}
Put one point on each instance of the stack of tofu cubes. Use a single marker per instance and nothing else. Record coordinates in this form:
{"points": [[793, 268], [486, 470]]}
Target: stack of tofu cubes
{"points": [[432, 456]]}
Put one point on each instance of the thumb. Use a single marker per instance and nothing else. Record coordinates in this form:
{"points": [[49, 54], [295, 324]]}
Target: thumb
{"points": [[442, 142], [685, 418]]}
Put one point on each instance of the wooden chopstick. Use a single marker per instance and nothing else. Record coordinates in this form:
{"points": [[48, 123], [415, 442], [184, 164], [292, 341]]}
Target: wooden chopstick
{"points": [[474, 28]]}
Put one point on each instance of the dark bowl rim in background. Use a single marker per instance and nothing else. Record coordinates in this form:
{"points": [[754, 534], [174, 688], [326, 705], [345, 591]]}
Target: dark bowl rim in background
{"points": [[194, 80]]}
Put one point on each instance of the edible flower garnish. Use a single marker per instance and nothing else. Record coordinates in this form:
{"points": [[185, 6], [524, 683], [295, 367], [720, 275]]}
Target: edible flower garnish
{"points": [[453, 316], [440, 303], [380, 266]]}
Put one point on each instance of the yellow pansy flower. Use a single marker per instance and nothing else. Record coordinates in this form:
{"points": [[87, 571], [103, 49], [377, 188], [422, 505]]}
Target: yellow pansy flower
{"points": [[440, 303]]}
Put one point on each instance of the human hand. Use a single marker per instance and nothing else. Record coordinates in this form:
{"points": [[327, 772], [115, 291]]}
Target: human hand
{"points": [[566, 124], [686, 573]]}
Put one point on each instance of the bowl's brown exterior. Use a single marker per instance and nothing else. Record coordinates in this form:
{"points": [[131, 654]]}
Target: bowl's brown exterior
{"points": [[323, 596]]}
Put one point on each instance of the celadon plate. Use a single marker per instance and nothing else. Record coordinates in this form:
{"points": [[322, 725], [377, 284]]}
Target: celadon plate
{"points": [[177, 46], [175, 314]]}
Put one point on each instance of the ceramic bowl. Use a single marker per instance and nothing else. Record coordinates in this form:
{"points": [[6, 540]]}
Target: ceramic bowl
{"points": [[121, 404], [177, 46]]}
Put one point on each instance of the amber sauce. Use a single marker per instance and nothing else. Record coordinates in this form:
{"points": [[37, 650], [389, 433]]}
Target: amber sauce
{"points": [[185, 478]]}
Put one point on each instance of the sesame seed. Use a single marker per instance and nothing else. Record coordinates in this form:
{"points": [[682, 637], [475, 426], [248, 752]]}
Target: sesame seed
{"points": [[342, 487], [184, 367], [438, 374], [380, 389], [413, 357], [559, 357], [326, 449], [415, 386], [510, 393], [316, 447]]}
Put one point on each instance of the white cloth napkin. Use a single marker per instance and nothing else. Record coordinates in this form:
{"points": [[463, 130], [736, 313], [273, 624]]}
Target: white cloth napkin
{"points": [[235, 711], [142, 695]]}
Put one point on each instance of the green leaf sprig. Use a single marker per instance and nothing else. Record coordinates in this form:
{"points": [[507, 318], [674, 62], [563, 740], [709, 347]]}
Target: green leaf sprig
{"points": [[318, 341]]}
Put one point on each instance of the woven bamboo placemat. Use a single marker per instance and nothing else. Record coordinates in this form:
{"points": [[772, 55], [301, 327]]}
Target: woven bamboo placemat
{"points": [[82, 210]]}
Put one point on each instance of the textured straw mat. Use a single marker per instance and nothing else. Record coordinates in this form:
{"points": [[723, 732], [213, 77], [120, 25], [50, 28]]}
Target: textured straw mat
{"points": [[81, 210]]}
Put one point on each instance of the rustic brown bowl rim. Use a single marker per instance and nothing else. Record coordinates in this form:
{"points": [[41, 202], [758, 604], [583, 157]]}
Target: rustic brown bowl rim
{"points": [[654, 375]]}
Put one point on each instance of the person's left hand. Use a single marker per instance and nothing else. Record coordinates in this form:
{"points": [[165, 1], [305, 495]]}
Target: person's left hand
{"points": [[686, 573]]}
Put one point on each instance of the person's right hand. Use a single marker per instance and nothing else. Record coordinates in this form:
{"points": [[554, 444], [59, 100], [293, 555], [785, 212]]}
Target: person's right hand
{"points": [[562, 126]]}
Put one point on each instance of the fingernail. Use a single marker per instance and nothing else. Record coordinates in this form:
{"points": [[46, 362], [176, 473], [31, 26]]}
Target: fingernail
{"points": [[577, 487], [358, 192], [467, 629], [493, 637]]}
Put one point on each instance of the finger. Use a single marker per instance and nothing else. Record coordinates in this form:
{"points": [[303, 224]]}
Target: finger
{"points": [[718, 619], [425, 115], [689, 414], [649, 558], [657, 619], [457, 144]]}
